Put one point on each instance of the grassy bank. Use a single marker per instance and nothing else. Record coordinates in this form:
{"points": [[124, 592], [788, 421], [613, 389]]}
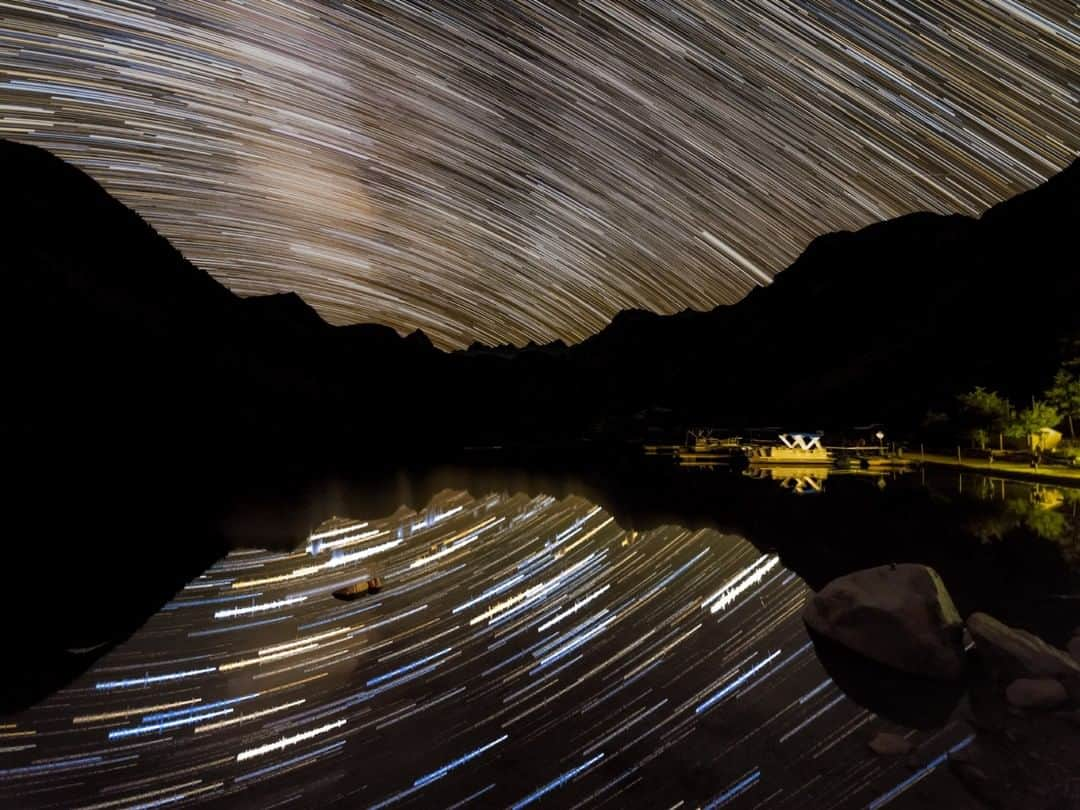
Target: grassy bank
{"points": [[1012, 469]]}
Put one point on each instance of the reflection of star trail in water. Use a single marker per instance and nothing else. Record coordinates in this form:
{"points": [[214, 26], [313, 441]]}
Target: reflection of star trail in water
{"points": [[522, 650]]}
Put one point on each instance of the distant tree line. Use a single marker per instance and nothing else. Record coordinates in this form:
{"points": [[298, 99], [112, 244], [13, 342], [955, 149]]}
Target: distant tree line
{"points": [[988, 413]]}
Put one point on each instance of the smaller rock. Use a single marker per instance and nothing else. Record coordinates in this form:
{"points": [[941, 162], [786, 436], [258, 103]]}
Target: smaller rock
{"points": [[1036, 693], [1014, 653], [890, 745]]}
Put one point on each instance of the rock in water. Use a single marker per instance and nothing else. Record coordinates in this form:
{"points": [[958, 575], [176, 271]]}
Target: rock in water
{"points": [[1036, 693], [1014, 653], [890, 745], [900, 616]]}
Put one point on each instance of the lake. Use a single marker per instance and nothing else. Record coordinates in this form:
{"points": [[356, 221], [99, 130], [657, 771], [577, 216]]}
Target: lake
{"points": [[610, 636]]}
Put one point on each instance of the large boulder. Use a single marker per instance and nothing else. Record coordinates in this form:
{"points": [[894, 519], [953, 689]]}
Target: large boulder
{"points": [[1012, 653], [897, 615]]}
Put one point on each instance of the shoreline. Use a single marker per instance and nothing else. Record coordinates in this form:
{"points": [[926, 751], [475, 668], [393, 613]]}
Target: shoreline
{"points": [[1005, 469]]}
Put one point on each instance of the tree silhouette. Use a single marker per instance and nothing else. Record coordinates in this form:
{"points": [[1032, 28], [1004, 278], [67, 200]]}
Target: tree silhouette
{"points": [[1064, 395], [987, 411]]}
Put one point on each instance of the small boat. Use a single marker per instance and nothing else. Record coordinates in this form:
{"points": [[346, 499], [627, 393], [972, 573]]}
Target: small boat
{"points": [[702, 441], [358, 589], [802, 449], [702, 449]]}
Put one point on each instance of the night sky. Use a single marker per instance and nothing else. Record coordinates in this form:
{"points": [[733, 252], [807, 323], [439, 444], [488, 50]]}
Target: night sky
{"points": [[508, 171]]}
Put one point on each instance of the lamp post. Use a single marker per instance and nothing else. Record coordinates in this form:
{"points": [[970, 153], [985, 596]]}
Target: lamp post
{"points": [[881, 442]]}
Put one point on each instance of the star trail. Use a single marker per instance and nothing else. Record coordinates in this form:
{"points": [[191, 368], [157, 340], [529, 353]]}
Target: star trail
{"points": [[513, 171], [523, 650]]}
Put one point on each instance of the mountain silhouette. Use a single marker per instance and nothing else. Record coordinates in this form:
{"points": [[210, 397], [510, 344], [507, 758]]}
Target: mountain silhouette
{"points": [[877, 325], [108, 329]]}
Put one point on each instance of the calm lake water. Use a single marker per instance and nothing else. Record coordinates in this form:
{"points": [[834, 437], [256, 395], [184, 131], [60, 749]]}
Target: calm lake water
{"points": [[610, 638]]}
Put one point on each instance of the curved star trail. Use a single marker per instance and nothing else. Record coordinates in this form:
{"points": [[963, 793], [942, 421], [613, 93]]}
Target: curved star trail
{"points": [[513, 171], [522, 650]]}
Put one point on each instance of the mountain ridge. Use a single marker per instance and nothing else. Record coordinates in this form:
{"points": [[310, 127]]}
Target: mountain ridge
{"points": [[819, 344]]}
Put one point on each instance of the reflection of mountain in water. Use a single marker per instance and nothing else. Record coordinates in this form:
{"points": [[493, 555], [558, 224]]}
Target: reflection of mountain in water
{"points": [[521, 646]]}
